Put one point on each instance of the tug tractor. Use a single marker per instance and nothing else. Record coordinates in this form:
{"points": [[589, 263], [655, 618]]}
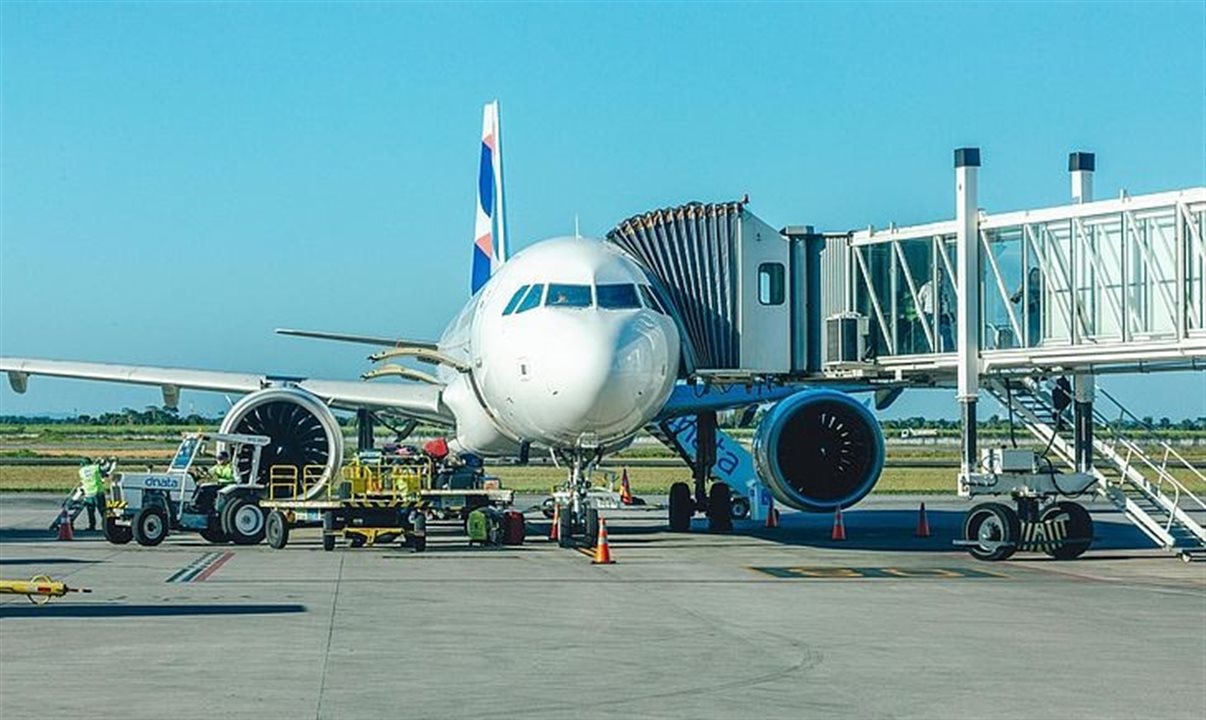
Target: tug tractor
{"points": [[145, 507]]}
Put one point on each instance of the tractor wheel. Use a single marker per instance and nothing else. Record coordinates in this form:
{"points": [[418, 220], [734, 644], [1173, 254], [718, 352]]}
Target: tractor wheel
{"points": [[117, 534], [150, 525]]}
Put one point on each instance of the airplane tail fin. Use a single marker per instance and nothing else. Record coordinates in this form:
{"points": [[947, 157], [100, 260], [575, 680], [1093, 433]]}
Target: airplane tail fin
{"points": [[490, 228]]}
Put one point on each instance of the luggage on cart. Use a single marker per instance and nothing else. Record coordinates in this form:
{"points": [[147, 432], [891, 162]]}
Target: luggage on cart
{"points": [[478, 527], [513, 529]]}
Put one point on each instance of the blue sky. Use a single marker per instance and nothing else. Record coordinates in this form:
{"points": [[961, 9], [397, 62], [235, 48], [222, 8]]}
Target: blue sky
{"points": [[180, 179]]}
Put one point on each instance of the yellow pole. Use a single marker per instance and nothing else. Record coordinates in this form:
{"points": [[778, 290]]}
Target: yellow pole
{"points": [[39, 589]]}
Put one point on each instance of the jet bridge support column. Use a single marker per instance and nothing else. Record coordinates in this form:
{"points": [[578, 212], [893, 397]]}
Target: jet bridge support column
{"points": [[967, 242], [1081, 166]]}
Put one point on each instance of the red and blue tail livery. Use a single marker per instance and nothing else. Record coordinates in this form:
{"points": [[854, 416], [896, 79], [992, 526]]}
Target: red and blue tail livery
{"points": [[490, 231]]}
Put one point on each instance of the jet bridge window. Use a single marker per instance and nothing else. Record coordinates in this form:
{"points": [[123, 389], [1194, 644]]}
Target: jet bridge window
{"points": [[618, 297], [771, 284], [515, 300], [531, 300], [575, 296], [652, 301]]}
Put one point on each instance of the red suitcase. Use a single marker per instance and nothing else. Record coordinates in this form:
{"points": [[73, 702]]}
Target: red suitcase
{"points": [[513, 529]]}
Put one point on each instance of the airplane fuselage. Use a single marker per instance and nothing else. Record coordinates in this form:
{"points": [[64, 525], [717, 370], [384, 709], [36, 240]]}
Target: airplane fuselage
{"points": [[567, 347]]}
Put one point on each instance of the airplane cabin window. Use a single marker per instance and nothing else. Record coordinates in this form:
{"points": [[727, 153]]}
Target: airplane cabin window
{"points": [[515, 300], [575, 296], [651, 300], [618, 297], [531, 300]]}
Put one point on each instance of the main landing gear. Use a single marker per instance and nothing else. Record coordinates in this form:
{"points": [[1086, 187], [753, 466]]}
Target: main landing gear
{"points": [[995, 531], [719, 506]]}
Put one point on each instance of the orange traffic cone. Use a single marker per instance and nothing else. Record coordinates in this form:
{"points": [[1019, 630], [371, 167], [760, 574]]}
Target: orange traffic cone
{"points": [[923, 523], [555, 530], [602, 549], [839, 528], [66, 532], [625, 489], [772, 517]]}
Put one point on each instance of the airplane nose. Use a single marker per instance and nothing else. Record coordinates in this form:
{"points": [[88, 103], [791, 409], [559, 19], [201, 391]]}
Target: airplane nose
{"points": [[611, 377]]}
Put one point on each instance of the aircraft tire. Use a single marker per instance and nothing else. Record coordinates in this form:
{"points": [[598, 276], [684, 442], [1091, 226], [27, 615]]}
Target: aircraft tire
{"points": [[720, 508], [681, 507], [592, 526]]}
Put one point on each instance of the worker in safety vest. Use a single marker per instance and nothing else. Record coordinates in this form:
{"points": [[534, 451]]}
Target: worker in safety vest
{"points": [[222, 472], [92, 480]]}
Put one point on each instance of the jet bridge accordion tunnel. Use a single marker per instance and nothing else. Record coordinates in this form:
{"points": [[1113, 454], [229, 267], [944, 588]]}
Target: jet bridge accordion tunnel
{"points": [[746, 296], [748, 301]]}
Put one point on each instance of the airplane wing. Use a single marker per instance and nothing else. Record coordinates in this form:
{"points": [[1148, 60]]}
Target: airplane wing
{"points": [[360, 339], [422, 401]]}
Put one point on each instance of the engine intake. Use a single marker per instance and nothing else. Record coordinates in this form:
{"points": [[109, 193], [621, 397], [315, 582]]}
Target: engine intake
{"points": [[305, 436], [818, 450]]}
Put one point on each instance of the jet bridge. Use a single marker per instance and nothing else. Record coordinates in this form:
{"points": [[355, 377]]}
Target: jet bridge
{"points": [[1076, 290]]}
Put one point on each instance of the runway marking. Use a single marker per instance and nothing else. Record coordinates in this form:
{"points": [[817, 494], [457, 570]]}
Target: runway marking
{"points": [[201, 568], [875, 573]]}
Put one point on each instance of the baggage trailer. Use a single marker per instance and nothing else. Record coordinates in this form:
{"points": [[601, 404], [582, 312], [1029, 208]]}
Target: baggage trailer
{"points": [[379, 499]]}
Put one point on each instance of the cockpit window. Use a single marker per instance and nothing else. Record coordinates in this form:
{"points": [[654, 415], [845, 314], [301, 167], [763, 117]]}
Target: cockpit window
{"points": [[651, 300], [531, 300], [577, 296], [618, 297], [515, 300]]}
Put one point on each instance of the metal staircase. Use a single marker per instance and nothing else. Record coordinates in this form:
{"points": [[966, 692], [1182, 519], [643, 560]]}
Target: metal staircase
{"points": [[1140, 483]]}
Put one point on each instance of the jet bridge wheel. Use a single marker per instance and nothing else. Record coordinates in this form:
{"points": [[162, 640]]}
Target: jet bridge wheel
{"points": [[995, 528], [1079, 527], [681, 507]]}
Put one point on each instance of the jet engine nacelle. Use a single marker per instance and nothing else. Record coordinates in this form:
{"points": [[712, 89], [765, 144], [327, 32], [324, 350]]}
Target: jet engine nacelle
{"points": [[818, 450], [304, 433]]}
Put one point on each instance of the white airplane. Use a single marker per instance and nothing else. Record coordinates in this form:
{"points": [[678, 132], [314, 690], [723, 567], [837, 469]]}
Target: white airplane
{"points": [[566, 347]]}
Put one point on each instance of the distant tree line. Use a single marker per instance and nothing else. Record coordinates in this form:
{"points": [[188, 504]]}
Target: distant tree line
{"points": [[155, 415]]}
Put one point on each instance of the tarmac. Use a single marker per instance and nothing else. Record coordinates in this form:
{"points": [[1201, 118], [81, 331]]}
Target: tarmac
{"points": [[757, 624]]}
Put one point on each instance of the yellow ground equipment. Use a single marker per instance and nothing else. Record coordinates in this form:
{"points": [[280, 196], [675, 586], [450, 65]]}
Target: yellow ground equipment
{"points": [[39, 589]]}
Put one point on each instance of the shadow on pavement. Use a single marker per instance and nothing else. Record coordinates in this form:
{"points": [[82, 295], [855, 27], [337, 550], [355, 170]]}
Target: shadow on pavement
{"points": [[46, 561], [115, 611], [878, 530]]}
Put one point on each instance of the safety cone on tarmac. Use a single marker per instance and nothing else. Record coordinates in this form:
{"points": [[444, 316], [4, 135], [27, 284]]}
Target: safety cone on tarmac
{"points": [[772, 518], [602, 549], [66, 532], [555, 530], [923, 523], [625, 489], [839, 528]]}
